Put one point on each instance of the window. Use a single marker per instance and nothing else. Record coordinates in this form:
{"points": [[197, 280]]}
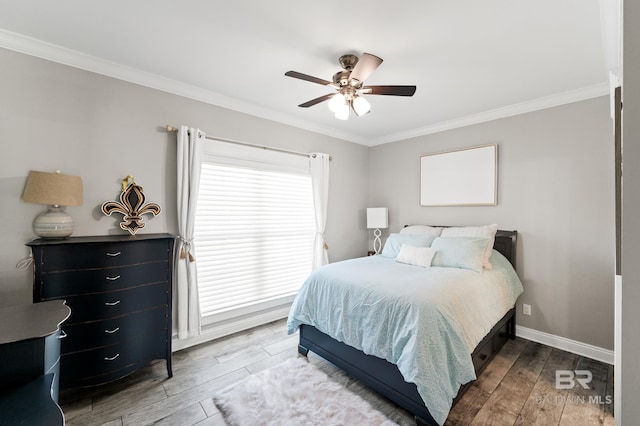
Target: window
{"points": [[254, 230]]}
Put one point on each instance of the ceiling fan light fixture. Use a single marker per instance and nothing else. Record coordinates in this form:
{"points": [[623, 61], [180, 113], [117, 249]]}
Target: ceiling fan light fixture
{"points": [[361, 106], [343, 113], [337, 102]]}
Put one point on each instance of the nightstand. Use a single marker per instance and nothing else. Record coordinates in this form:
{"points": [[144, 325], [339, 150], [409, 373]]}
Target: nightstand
{"points": [[30, 363], [30, 344]]}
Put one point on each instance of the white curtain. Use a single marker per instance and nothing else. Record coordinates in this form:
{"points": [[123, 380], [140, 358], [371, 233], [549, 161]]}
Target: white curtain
{"points": [[319, 166], [186, 304]]}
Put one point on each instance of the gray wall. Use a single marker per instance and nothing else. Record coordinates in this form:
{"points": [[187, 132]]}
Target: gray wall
{"points": [[555, 187], [630, 342], [102, 129], [555, 180]]}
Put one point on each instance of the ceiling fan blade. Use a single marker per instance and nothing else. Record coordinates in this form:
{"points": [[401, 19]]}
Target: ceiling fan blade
{"points": [[315, 101], [389, 90], [306, 77], [366, 65]]}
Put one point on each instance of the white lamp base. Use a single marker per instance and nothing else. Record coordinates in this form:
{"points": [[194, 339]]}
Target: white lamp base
{"points": [[54, 223], [377, 242]]}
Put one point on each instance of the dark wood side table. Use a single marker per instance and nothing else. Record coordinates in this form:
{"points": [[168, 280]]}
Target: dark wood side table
{"points": [[31, 404], [30, 361]]}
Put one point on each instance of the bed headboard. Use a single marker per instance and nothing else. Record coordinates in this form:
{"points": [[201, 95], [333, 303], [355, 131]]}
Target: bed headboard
{"points": [[505, 243]]}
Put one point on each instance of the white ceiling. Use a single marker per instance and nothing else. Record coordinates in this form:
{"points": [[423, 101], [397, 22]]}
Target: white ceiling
{"points": [[470, 60]]}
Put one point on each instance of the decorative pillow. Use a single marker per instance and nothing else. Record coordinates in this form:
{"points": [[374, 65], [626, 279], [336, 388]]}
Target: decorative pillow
{"points": [[488, 231], [418, 256], [459, 252], [430, 231], [395, 241]]}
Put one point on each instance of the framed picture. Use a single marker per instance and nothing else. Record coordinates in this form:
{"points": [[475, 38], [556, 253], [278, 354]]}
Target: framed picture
{"points": [[464, 177]]}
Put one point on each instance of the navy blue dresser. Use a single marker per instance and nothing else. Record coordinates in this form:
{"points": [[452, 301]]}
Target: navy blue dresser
{"points": [[119, 290]]}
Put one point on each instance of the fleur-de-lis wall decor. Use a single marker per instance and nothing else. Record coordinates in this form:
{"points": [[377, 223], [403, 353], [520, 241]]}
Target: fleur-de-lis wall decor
{"points": [[131, 206]]}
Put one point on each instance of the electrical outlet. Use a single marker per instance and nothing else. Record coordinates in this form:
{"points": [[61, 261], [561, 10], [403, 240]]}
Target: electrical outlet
{"points": [[526, 309]]}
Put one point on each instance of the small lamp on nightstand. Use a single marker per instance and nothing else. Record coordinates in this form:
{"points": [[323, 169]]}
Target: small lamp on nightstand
{"points": [[57, 191], [377, 218]]}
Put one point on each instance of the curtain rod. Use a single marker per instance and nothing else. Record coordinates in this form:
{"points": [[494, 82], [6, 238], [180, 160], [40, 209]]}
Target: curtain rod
{"points": [[172, 129]]}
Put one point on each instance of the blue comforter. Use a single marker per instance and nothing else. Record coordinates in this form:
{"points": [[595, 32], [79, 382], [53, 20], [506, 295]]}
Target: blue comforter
{"points": [[427, 321]]}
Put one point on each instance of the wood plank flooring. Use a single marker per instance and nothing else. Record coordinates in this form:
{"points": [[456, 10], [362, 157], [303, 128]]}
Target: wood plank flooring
{"points": [[516, 388]]}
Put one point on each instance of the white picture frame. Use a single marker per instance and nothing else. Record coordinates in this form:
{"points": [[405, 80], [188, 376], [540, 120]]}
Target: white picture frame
{"points": [[463, 177]]}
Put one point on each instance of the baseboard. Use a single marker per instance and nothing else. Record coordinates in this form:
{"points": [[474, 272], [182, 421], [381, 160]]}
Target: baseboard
{"points": [[216, 331], [573, 346]]}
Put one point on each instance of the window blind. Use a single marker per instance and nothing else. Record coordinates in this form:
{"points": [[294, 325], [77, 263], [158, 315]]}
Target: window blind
{"points": [[254, 233]]}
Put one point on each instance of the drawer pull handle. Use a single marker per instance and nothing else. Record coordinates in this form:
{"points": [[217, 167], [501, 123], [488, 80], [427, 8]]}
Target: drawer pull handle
{"points": [[483, 357], [62, 334], [117, 277], [112, 303], [115, 330], [118, 253], [106, 358]]}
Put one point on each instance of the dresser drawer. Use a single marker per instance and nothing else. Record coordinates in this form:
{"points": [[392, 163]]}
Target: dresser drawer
{"points": [[105, 255], [109, 332], [99, 306], [55, 285], [500, 338], [481, 356], [489, 347], [89, 367]]}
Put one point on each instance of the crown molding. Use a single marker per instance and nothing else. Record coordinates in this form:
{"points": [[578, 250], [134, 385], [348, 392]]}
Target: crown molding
{"points": [[41, 49], [559, 99], [51, 52]]}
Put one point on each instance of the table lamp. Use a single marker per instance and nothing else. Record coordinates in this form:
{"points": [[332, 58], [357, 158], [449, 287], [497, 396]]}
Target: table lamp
{"points": [[377, 218], [57, 191]]}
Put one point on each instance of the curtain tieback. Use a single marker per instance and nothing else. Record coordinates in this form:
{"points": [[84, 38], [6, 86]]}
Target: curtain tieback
{"points": [[324, 243], [186, 249]]}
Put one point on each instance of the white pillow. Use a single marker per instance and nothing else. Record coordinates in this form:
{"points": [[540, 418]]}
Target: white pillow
{"points": [[418, 256], [395, 241], [429, 231], [487, 231], [459, 252]]}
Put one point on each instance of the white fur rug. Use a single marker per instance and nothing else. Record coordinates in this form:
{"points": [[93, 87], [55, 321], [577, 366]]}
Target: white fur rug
{"points": [[294, 393]]}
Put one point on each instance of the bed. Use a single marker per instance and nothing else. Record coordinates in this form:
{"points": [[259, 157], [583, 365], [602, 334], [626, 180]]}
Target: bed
{"points": [[382, 343]]}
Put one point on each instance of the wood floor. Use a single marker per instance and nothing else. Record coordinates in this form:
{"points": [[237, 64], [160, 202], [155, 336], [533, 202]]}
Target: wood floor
{"points": [[516, 388]]}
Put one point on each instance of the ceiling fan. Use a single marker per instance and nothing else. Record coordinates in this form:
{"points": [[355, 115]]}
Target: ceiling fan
{"points": [[349, 84]]}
